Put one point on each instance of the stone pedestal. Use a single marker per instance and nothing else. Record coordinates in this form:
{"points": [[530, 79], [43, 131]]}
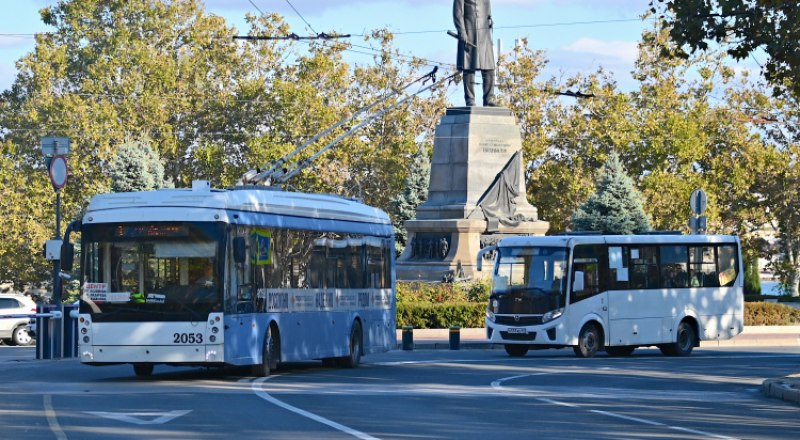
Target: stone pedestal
{"points": [[472, 147]]}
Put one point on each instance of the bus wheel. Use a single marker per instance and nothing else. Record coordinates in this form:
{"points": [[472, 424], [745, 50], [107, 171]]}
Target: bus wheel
{"points": [[516, 350], [143, 370], [354, 358], [269, 358], [589, 341], [624, 350], [684, 344]]}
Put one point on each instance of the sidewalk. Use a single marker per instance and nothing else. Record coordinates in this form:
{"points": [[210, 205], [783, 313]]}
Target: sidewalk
{"points": [[785, 388], [780, 336]]}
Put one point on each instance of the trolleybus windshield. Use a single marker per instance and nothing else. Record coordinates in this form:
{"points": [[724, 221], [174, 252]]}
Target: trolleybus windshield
{"points": [[156, 271]]}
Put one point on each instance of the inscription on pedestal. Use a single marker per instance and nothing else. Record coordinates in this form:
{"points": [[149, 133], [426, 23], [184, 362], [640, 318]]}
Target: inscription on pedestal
{"points": [[494, 146]]}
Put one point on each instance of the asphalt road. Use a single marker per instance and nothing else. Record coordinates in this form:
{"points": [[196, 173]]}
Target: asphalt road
{"points": [[430, 394]]}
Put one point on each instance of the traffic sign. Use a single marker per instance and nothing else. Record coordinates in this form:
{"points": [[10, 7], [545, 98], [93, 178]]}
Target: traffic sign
{"points": [[698, 201], [58, 172], [55, 146]]}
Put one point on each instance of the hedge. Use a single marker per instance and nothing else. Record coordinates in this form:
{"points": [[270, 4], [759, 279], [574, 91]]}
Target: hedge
{"points": [[472, 314], [762, 313], [441, 315]]}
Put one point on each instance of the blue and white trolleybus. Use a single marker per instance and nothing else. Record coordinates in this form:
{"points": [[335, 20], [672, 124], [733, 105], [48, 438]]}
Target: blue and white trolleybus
{"points": [[244, 276]]}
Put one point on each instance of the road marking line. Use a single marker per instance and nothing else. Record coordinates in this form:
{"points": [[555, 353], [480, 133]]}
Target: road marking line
{"points": [[622, 416], [256, 387], [156, 418], [497, 385], [51, 418]]}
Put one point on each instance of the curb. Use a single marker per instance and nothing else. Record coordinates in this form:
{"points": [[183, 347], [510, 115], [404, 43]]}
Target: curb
{"points": [[786, 389]]}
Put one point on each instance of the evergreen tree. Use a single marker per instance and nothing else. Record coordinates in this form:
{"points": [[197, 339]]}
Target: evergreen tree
{"points": [[752, 279], [136, 167], [404, 206], [615, 207]]}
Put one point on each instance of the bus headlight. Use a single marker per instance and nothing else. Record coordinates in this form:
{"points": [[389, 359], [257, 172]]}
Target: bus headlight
{"points": [[552, 314], [490, 315]]}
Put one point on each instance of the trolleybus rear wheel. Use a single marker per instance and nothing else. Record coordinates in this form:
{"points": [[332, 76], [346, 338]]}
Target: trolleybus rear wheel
{"points": [[143, 370], [354, 358]]}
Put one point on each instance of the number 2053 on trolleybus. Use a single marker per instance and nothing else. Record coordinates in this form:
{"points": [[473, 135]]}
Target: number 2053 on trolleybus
{"points": [[614, 292], [243, 276]]}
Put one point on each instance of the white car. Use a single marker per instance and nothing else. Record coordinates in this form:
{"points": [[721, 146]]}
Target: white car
{"points": [[14, 331]]}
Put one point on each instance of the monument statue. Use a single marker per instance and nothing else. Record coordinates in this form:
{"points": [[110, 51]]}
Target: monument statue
{"points": [[473, 20]]}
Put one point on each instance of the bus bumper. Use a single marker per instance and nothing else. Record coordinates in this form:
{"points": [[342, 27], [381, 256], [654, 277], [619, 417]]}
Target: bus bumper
{"points": [[166, 354]]}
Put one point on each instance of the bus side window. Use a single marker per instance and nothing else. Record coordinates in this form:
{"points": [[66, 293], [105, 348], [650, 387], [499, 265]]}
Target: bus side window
{"points": [[618, 265], [644, 268], [727, 265], [702, 267], [586, 262]]}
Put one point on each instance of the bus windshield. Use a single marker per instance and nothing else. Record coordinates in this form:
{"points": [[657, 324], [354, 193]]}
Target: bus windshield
{"points": [[156, 271], [529, 280]]}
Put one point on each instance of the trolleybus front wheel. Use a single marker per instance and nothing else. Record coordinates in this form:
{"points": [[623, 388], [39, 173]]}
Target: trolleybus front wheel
{"points": [[269, 359]]}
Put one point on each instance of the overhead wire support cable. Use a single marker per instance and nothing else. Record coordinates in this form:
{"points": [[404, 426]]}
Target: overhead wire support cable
{"points": [[275, 166], [292, 36], [303, 164]]}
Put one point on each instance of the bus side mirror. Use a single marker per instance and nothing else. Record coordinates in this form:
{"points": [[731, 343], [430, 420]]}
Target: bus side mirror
{"points": [[67, 256], [481, 253], [577, 281], [239, 249]]}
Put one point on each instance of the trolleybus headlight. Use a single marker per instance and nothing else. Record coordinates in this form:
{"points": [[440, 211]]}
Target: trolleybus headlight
{"points": [[551, 315], [212, 338], [490, 315], [214, 329]]}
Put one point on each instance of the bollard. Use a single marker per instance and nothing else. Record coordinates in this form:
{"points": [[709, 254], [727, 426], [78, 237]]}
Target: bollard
{"points": [[408, 337], [70, 331], [455, 337]]}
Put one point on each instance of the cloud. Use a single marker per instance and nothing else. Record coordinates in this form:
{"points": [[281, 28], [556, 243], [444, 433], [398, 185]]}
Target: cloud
{"points": [[615, 51]]}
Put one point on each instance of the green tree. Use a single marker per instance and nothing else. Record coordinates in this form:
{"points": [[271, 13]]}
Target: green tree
{"points": [[741, 26], [210, 106], [616, 206], [27, 202], [136, 167], [404, 205], [752, 278]]}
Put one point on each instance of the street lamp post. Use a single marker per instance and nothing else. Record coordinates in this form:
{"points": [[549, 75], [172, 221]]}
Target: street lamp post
{"points": [[55, 150]]}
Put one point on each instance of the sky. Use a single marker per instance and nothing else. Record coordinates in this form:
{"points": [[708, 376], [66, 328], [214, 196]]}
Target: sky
{"points": [[577, 35]]}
